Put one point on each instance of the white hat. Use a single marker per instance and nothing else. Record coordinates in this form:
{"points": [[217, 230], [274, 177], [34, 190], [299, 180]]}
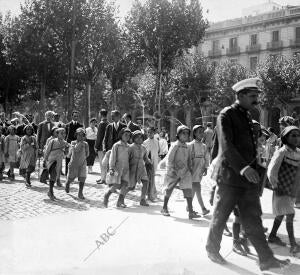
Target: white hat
{"points": [[249, 83]]}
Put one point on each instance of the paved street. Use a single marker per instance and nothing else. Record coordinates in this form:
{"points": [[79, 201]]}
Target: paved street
{"points": [[38, 236]]}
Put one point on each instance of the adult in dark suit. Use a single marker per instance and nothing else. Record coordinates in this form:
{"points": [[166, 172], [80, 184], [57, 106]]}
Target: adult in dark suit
{"points": [[71, 128], [132, 126], [99, 143], [112, 131], [44, 130], [237, 178]]}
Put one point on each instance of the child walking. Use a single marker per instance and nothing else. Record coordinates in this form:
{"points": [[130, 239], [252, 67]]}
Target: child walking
{"points": [[11, 149], [29, 152], [54, 154], [119, 168], [137, 169], [2, 158], [77, 165], [284, 176], [45, 173], [179, 170], [200, 162]]}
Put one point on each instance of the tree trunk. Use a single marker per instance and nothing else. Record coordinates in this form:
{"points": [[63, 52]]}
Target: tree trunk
{"points": [[88, 102], [42, 99], [6, 100]]}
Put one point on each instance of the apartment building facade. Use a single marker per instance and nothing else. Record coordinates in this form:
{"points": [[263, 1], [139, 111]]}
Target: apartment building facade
{"points": [[251, 39]]}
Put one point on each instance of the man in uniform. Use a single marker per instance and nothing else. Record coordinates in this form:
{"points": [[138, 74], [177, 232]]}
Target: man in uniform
{"points": [[237, 178]]}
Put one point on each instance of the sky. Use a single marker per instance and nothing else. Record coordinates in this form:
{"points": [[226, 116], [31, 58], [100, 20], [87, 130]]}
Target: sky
{"points": [[213, 10]]}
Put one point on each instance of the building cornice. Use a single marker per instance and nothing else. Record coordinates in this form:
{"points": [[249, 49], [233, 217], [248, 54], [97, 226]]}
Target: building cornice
{"points": [[239, 24]]}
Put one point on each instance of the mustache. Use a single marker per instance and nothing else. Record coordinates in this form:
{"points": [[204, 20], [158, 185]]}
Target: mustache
{"points": [[255, 103]]}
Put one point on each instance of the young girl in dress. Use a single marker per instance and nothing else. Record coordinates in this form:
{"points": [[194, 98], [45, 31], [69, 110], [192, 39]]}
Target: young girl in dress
{"points": [[77, 166], [54, 154], [284, 176], [119, 168], [11, 149], [137, 169], [45, 173], [200, 162], [179, 171], [28, 153], [2, 158]]}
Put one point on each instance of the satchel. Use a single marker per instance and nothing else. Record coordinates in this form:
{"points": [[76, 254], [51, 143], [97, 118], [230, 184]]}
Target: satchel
{"points": [[112, 179]]}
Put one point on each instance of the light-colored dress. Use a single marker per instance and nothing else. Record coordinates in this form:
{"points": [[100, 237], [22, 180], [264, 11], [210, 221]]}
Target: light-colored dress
{"points": [[152, 147], [119, 161], [137, 159], [284, 175], [77, 167], [200, 159], [179, 166], [55, 152], [12, 147], [28, 152]]}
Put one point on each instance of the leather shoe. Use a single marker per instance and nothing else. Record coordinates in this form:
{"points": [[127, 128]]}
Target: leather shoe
{"points": [[237, 248], [273, 263], [216, 258]]}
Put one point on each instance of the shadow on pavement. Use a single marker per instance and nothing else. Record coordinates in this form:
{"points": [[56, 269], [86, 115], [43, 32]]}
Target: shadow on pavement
{"points": [[67, 204], [195, 222], [238, 270]]}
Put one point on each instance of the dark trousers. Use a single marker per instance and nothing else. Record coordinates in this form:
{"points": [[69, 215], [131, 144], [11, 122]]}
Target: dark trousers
{"points": [[298, 196], [67, 168], [91, 158], [247, 200]]}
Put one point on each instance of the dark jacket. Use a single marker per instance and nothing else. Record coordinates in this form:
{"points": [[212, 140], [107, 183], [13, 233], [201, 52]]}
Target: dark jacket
{"points": [[133, 127], [71, 130], [236, 146], [111, 135], [100, 135], [43, 133]]}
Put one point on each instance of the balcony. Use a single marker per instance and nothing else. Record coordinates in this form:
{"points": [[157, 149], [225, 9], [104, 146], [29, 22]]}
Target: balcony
{"points": [[233, 51], [274, 45], [253, 48], [214, 53], [295, 43]]}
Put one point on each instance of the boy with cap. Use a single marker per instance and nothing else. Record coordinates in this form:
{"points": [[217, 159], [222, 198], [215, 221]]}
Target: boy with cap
{"points": [[137, 169], [179, 171]]}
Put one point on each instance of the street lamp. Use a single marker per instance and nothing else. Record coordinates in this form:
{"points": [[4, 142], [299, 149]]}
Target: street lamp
{"points": [[142, 104]]}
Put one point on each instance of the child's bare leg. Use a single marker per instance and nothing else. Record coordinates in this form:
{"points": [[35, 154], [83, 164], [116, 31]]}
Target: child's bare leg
{"points": [[81, 185], [143, 201]]}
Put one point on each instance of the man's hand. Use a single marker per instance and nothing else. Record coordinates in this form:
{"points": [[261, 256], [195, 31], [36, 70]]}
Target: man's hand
{"points": [[251, 175]]}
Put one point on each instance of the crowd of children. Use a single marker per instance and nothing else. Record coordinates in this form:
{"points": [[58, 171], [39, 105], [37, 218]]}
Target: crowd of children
{"points": [[134, 159]]}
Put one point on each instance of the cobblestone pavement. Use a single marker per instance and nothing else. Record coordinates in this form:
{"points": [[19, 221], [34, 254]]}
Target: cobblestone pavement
{"points": [[17, 201]]}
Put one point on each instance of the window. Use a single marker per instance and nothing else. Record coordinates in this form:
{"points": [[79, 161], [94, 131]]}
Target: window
{"points": [[215, 45], [233, 43], [275, 36], [298, 34], [253, 39], [253, 63]]}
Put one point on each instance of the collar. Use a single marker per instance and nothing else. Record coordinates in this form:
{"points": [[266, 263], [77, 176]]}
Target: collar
{"points": [[240, 108], [74, 122], [181, 144]]}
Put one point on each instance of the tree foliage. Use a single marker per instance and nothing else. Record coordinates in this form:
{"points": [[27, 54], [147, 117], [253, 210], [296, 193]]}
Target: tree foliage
{"points": [[190, 80], [226, 75], [280, 79], [164, 30]]}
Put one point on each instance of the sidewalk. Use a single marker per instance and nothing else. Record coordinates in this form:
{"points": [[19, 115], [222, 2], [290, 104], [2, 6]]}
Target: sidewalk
{"points": [[56, 238]]}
